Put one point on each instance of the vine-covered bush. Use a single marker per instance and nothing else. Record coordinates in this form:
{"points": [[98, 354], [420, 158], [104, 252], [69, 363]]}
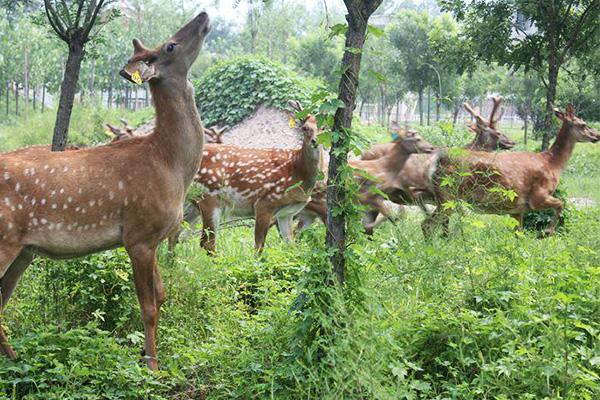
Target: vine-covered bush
{"points": [[230, 91], [540, 220]]}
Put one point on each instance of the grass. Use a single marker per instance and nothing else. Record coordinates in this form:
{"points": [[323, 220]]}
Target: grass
{"points": [[484, 314]]}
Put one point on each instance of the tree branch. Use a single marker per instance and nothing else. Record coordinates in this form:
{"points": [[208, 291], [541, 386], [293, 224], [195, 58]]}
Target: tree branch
{"points": [[573, 40], [92, 21], [78, 16], [57, 23]]}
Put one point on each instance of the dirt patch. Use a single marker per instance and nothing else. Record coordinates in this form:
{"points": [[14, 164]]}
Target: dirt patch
{"points": [[267, 127]]}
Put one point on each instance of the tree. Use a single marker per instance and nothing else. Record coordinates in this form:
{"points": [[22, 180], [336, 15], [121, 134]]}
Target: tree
{"points": [[358, 15], [539, 35], [76, 23], [410, 35]]}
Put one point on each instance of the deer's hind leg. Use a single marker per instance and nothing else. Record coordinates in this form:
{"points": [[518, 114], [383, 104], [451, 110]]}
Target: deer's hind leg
{"points": [[211, 218], [13, 262]]}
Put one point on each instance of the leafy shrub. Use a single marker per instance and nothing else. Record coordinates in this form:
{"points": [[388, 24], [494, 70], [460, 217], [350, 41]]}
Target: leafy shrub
{"points": [[83, 363], [443, 134], [230, 91], [95, 288]]}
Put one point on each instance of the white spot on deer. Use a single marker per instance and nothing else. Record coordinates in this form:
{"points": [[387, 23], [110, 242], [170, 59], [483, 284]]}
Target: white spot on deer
{"points": [[52, 170], [70, 199], [203, 171], [80, 190], [37, 181], [10, 225], [61, 191], [65, 168], [111, 195], [121, 185], [54, 206], [46, 167], [92, 203], [43, 221], [34, 221], [43, 201]]}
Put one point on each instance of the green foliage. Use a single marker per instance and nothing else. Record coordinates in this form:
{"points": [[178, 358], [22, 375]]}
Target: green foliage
{"points": [[82, 363], [230, 91], [96, 288]]}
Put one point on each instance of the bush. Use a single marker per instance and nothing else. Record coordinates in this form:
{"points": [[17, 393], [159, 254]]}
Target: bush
{"points": [[95, 288], [230, 91], [84, 363]]}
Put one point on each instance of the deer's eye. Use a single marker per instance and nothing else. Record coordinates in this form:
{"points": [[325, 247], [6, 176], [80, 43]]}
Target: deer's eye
{"points": [[170, 48]]}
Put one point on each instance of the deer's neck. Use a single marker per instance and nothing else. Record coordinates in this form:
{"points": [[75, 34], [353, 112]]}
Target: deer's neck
{"points": [[306, 165], [562, 148], [178, 133]]}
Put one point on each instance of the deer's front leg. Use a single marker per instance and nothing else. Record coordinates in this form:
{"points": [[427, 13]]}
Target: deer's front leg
{"points": [[150, 293]]}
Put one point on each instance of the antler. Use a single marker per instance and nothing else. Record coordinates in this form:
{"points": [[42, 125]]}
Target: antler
{"points": [[215, 133], [497, 100], [479, 118]]}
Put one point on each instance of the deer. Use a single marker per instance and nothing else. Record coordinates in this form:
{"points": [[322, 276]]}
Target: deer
{"points": [[487, 136], [257, 183], [381, 174], [214, 134], [124, 194], [412, 184], [530, 177]]}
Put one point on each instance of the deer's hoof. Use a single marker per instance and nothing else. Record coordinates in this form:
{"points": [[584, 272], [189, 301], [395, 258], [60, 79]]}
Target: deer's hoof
{"points": [[8, 351]]}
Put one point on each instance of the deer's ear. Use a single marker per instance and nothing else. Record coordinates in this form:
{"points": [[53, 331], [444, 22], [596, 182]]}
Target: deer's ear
{"points": [[570, 110], [295, 105], [138, 46], [559, 114]]}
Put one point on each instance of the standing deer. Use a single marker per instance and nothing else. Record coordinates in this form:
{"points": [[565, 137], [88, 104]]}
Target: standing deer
{"points": [[128, 193], [258, 183], [531, 177]]}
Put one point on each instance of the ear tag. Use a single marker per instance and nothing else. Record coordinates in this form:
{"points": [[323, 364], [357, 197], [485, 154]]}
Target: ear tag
{"points": [[137, 78], [395, 136], [292, 122]]}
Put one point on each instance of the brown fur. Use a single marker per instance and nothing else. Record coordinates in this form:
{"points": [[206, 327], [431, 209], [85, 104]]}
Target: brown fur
{"points": [[532, 176], [128, 193], [256, 183]]}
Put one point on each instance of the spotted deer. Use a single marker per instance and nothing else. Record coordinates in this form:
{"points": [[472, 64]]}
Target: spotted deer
{"points": [[532, 178], [128, 193], [257, 183]]}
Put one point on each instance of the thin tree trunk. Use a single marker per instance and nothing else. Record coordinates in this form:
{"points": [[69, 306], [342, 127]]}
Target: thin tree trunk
{"points": [[34, 98], [437, 109], [357, 17], [16, 98], [25, 78], [421, 106], [67, 96], [429, 106], [43, 97], [553, 68], [146, 102], [525, 127], [398, 110], [7, 98]]}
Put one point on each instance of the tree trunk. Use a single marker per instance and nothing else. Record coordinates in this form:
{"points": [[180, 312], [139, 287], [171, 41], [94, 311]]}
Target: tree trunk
{"points": [[525, 126], [398, 110], [16, 98], [34, 99], [7, 98], [553, 68], [109, 96], [455, 114], [92, 81], [429, 106], [421, 106], [357, 17], [67, 96], [146, 102], [43, 97], [437, 109]]}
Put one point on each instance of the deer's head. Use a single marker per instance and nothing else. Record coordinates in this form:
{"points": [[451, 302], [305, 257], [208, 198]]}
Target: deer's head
{"points": [[578, 128], [487, 135], [308, 126], [410, 142], [172, 59]]}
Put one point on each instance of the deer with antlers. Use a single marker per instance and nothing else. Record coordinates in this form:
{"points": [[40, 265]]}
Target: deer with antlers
{"points": [[412, 183], [128, 193], [531, 178], [257, 183]]}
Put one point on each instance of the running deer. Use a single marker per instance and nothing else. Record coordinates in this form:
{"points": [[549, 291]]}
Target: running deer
{"points": [[128, 193], [531, 177], [412, 184], [258, 183], [487, 135]]}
